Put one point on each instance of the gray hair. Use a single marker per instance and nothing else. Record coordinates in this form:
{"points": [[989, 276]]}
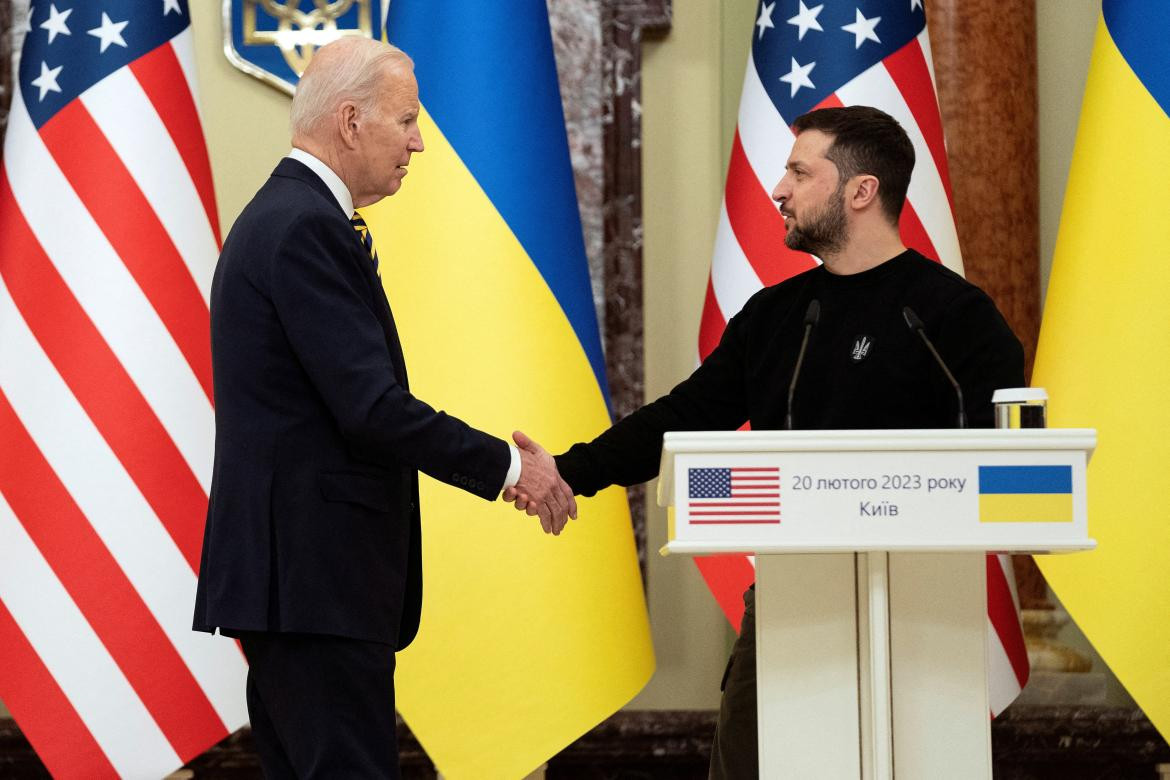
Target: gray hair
{"points": [[346, 69]]}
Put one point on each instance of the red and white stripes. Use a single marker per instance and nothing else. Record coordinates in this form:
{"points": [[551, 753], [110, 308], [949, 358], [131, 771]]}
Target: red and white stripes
{"points": [[108, 239]]}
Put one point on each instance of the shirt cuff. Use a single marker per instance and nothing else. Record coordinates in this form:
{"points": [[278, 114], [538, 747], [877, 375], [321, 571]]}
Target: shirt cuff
{"points": [[513, 470]]}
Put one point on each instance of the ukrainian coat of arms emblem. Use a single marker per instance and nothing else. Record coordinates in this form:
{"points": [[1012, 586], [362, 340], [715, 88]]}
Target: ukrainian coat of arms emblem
{"points": [[274, 40]]}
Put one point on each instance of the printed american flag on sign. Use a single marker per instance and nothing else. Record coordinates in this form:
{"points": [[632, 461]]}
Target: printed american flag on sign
{"points": [[816, 55], [108, 238], [733, 496]]}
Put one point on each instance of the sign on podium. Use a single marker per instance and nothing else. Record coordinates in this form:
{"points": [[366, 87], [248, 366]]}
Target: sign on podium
{"points": [[871, 602]]}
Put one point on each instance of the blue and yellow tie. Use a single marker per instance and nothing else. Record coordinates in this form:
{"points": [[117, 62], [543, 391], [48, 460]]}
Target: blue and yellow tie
{"points": [[367, 240]]}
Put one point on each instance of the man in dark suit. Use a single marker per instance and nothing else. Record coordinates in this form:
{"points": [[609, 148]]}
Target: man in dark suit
{"points": [[311, 555]]}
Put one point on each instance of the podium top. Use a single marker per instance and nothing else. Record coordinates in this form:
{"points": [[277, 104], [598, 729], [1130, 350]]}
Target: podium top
{"points": [[888, 439]]}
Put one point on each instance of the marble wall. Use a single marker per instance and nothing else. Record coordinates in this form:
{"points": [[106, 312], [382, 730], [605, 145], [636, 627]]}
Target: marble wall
{"points": [[576, 31], [6, 41]]}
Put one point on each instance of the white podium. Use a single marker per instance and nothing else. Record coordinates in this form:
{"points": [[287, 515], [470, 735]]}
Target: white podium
{"points": [[871, 598]]}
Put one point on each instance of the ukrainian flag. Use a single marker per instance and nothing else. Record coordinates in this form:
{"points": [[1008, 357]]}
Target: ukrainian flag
{"points": [[1104, 353], [1025, 494], [527, 641]]}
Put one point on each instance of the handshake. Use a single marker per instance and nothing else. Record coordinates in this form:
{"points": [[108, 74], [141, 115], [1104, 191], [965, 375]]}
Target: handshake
{"points": [[540, 489]]}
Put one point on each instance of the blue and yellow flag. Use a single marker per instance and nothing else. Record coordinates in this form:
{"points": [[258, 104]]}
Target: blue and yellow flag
{"points": [[527, 640], [1104, 354], [1025, 494]]}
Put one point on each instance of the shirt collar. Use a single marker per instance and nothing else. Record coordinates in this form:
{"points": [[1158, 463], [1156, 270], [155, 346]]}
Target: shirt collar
{"points": [[326, 174]]}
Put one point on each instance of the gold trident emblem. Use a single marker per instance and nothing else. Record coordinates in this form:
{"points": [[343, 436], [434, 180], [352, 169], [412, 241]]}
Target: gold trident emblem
{"points": [[300, 33]]}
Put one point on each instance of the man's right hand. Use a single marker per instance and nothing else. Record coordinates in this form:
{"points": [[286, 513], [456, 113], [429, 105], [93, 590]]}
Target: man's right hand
{"points": [[540, 489]]}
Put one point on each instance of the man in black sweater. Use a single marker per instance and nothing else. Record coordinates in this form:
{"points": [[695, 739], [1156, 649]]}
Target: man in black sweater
{"points": [[841, 196]]}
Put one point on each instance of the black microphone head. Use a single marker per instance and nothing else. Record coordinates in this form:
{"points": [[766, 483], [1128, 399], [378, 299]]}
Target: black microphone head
{"points": [[813, 313], [912, 318]]}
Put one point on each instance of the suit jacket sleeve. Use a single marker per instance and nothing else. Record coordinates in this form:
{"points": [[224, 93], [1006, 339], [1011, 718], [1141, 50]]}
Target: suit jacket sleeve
{"points": [[322, 298]]}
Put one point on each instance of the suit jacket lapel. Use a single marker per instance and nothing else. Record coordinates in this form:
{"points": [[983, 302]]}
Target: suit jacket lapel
{"points": [[384, 313], [391, 329], [296, 170]]}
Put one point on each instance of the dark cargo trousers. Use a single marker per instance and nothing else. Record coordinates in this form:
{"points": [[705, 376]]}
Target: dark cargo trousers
{"points": [[735, 753]]}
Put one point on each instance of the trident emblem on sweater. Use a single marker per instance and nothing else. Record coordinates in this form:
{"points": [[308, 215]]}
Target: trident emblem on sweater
{"points": [[860, 350]]}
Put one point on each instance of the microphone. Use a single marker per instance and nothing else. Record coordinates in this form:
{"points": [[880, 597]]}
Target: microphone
{"points": [[915, 324], [811, 315]]}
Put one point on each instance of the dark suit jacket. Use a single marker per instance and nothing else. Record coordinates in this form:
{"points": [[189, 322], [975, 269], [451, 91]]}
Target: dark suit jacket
{"points": [[313, 523]]}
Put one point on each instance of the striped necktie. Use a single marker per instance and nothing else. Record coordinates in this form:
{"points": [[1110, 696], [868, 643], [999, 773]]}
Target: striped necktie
{"points": [[367, 240]]}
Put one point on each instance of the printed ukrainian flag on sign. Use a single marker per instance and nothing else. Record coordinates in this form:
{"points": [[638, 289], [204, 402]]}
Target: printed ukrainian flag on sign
{"points": [[1104, 355], [1025, 494], [527, 641]]}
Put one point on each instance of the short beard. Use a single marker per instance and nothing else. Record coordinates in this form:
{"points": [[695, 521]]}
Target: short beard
{"points": [[824, 232]]}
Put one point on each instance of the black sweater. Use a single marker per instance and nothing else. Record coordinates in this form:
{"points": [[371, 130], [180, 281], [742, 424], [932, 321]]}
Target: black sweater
{"points": [[896, 384]]}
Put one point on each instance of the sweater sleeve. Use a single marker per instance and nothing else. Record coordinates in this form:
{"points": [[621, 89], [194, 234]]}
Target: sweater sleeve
{"points": [[982, 352], [712, 398]]}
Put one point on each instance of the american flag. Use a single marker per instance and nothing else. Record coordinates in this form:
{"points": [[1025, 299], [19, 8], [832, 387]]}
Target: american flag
{"points": [[816, 55], [723, 496], [108, 238]]}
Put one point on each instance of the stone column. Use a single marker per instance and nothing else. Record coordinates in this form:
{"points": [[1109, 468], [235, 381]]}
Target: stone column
{"points": [[985, 67]]}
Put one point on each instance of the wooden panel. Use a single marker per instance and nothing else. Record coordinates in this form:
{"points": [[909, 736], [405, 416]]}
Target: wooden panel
{"points": [[806, 663], [985, 67], [938, 624]]}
